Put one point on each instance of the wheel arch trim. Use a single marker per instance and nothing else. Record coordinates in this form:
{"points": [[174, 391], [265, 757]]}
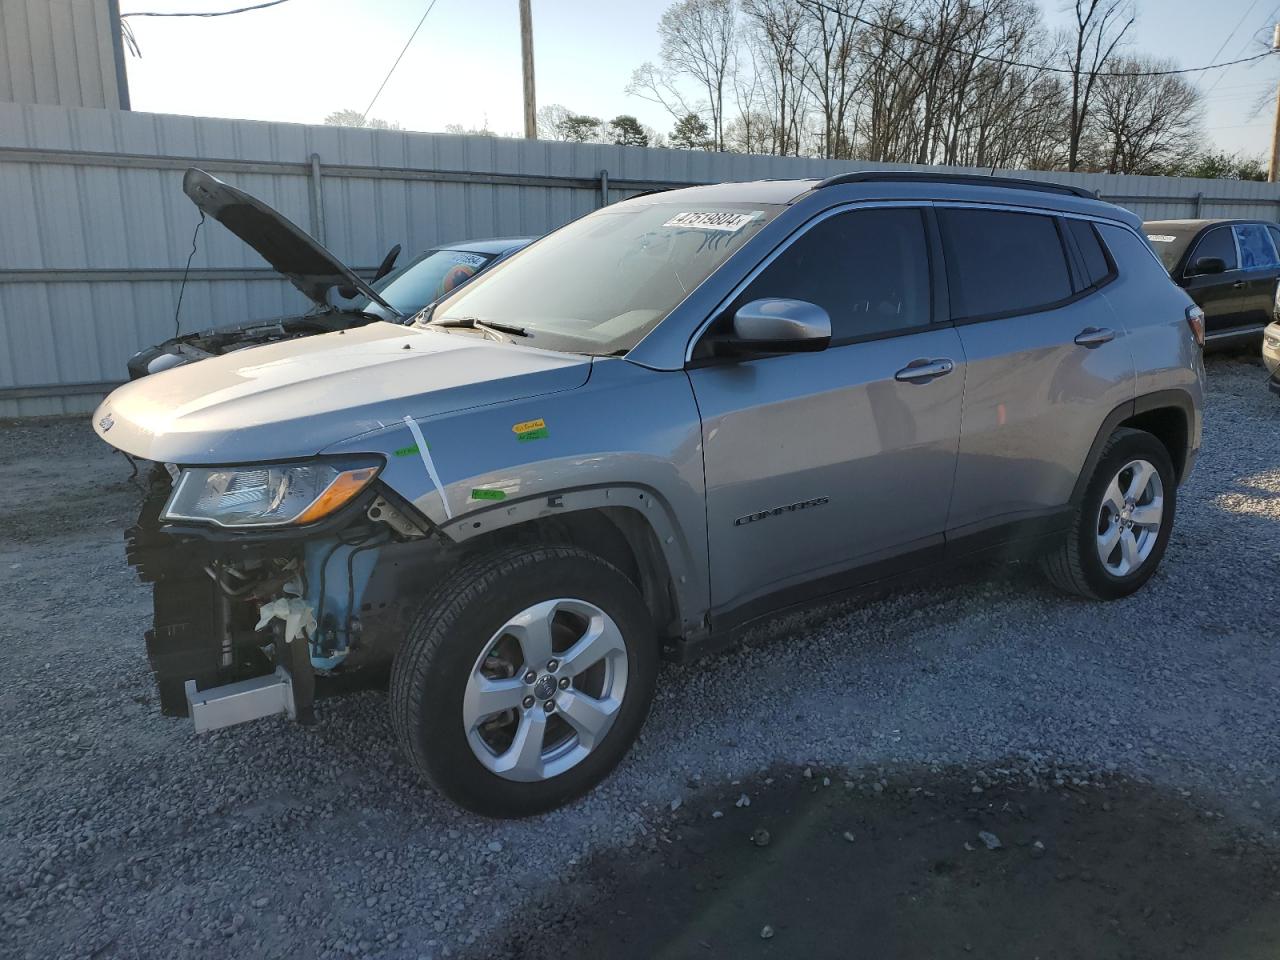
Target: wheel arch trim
{"points": [[1178, 400], [647, 509]]}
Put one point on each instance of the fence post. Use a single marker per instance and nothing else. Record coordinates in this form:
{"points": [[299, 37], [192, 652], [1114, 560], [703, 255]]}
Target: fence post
{"points": [[317, 200], [604, 188], [1199, 204]]}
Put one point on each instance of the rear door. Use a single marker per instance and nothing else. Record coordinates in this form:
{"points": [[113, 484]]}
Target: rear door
{"points": [[1259, 269], [1047, 360], [820, 462], [1219, 295]]}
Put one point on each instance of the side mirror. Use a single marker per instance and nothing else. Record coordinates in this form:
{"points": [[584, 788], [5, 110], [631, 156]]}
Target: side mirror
{"points": [[781, 326], [388, 262], [1207, 265]]}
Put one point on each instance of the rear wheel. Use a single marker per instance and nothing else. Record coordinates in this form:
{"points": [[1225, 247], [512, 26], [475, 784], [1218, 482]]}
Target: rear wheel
{"points": [[525, 679], [1123, 522]]}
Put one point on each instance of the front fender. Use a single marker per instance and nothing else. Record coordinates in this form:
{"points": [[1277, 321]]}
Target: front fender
{"points": [[629, 437]]}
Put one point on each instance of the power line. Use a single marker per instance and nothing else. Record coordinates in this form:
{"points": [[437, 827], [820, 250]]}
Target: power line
{"points": [[1044, 68], [1218, 52], [398, 59], [214, 13]]}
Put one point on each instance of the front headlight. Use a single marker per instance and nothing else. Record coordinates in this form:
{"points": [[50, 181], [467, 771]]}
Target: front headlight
{"points": [[266, 495]]}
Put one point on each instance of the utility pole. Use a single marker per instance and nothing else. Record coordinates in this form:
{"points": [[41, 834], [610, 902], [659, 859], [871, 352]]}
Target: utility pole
{"points": [[526, 50], [1273, 171]]}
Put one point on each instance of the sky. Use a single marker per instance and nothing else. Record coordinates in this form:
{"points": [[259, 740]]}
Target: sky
{"points": [[306, 58]]}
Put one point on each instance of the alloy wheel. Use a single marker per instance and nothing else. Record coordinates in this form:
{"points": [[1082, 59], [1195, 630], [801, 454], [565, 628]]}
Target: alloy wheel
{"points": [[1129, 518], [545, 690]]}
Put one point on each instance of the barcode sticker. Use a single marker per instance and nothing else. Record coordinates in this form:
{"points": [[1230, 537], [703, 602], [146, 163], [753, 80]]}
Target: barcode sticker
{"points": [[722, 221]]}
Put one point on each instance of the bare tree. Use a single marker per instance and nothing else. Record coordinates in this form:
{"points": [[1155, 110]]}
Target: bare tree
{"points": [[1100, 26], [776, 27], [917, 81], [698, 42], [827, 50], [1146, 124], [354, 118], [551, 120], [661, 85]]}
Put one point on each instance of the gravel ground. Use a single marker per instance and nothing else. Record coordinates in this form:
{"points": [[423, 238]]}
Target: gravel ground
{"points": [[123, 834]]}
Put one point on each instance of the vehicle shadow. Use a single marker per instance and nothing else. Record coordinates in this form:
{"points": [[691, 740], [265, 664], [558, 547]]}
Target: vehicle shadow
{"points": [[928, 864]]}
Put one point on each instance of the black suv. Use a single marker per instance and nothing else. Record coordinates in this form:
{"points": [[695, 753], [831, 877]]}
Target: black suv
{"points": [[1230, 268]]}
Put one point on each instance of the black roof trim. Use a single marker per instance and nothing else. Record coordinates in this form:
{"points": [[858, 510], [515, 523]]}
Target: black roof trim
{"points": [[972, 179]]}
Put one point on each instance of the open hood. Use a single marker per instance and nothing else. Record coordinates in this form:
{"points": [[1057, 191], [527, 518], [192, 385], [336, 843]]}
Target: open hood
{"points": [[289, 249]]}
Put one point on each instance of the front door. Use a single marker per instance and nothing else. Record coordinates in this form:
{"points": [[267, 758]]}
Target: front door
{"points": [[1219, 295], [817, 463]]}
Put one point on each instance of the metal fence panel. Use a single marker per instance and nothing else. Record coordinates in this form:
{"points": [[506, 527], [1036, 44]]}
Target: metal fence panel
{"points": [[96, 230]]}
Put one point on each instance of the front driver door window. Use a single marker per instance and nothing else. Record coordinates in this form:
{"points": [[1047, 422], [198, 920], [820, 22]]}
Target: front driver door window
{"points": [[819, 462], [1220, 295]]}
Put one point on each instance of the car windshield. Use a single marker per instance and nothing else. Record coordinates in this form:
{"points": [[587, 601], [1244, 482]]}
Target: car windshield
{"points": [[599, 284], [422, 281]]}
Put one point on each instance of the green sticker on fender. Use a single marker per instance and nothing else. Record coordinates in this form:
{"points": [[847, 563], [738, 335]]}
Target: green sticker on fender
{"points": [[539, 433], [488, 495], [408, 451]]}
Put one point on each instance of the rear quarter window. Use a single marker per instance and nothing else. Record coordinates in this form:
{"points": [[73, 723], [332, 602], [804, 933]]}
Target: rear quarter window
{"points": [[1001, 263], [1097, 269]]}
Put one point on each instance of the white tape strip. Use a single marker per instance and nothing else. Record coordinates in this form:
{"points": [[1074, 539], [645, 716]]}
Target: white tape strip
{"points": [[426, 462]]}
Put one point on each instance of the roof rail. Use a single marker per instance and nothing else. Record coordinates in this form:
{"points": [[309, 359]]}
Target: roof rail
{"points": [[973, 179]]}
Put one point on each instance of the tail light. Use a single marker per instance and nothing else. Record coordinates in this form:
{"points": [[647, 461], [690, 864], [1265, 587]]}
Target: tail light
{"points": [[1195, 320]]}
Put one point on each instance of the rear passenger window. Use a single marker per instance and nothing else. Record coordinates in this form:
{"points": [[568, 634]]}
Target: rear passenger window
{"points": [[1219, 243], [1001, 263], [1096, 267], [1275, 235], [869, 269], [1255, 247]]}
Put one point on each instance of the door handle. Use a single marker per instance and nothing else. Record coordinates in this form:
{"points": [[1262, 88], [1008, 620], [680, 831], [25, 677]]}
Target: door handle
{"points": [[924, 369], [1238, 284], [1095, 336]]}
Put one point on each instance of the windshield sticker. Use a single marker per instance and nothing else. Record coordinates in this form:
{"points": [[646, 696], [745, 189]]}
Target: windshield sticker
{"points": [[531, 430], [721, 221], [1160, 238], [470, 259], [479, 494]]}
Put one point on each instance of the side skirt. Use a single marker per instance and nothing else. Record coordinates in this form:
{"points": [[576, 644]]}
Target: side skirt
{"points": [[1019, 539]]}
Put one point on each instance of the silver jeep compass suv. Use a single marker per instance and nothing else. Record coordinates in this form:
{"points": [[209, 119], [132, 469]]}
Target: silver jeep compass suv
{"points": [[670, 417]]}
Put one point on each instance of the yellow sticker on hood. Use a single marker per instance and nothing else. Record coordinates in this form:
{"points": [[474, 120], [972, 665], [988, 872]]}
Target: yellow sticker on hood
{"points": [[529, 425]]}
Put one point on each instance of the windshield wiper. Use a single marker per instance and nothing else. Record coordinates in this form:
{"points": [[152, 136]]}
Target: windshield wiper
{"points": [[472, 323]]}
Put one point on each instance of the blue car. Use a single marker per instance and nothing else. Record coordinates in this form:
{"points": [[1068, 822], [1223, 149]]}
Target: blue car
{"points": [[342, 299]]}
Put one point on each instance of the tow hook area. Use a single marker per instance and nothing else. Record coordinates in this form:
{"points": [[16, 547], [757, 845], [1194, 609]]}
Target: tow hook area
{"points": [[240, 702]]}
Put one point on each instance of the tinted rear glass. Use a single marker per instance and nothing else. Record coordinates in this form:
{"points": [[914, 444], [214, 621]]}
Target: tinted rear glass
{"points": [[1002, 263], [1096, 267], [1168, 244], [1255, 246]]}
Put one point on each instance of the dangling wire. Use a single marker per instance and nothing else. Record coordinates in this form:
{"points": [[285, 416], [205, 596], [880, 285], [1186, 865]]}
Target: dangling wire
{"points": [[177, 314]]}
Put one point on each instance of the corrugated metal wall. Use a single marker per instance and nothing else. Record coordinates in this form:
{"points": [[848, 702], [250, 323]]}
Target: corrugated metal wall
{"points": [[63, 52], [95, 229]]}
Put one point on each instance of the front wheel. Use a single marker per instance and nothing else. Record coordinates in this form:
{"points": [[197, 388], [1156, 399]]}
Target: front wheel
{"points": [[524, 679], [1122, 524]]}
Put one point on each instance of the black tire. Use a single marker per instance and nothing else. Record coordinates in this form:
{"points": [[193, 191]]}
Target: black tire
{"points": [[1075, 567], [449, 634]]}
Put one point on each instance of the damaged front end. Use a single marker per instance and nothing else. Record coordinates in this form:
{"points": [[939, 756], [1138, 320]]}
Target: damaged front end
{"points": [[255, 622]]}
